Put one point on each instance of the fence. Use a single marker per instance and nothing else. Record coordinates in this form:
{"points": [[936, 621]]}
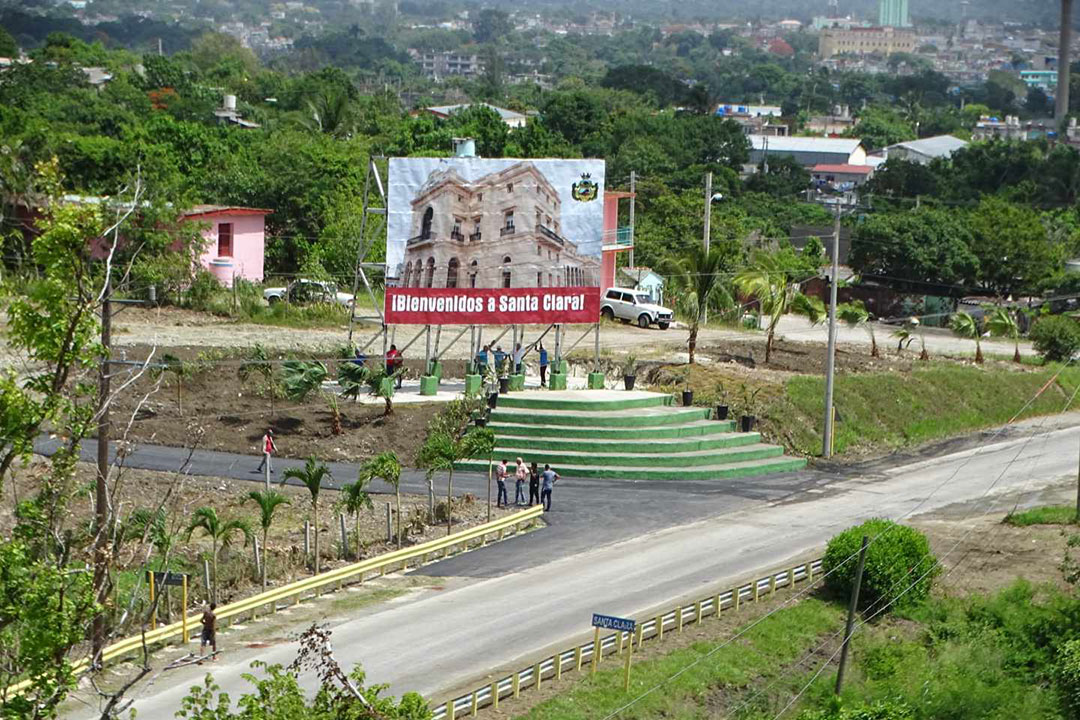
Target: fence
{"points": [[579, 656], [412, 556]]}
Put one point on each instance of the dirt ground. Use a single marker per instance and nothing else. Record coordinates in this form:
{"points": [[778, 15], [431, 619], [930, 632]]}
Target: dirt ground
{"points": [[143, 489]]}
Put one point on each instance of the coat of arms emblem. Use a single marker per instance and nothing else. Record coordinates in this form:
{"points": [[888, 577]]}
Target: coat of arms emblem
{"points": [[584, 190]]}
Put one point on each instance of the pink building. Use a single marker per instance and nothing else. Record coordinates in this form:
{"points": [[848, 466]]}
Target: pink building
{"points": [[616, 239], [235, 241]]}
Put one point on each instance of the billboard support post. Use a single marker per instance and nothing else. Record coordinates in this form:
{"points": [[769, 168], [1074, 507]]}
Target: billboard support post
{"points": [[363, 246], [427, 350], [596, 346], [435, 357]]}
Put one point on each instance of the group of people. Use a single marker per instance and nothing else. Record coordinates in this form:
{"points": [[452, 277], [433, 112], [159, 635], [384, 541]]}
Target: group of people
{"points": [[495, 358], [541, 483]]}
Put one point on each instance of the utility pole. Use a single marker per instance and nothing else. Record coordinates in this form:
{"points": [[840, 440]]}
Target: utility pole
{"points": [[708, 210], [101, 487], [633, 195], [830, 355], [851, 614], [1078, 492], [1061, 110]]}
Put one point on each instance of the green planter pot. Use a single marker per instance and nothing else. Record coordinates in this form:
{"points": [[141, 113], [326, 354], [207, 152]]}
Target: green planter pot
{"points": [[517, 383], [473, 383], [558, 381], [429, 385], [436, 370], [596, 381]]}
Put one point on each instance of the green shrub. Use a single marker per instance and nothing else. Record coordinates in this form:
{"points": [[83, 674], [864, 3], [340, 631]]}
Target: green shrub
{"points": [[202, 291], [881, 710], [899, 565], [1056, 337], [1067, 679]]}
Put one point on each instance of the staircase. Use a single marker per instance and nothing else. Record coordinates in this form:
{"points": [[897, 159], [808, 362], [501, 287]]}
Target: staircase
{"points": [[627, 436]]}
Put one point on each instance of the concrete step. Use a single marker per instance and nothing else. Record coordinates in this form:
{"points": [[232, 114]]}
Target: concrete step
{"points": [[627, 417], [675, 461], [746, 468], [584, 400], [689, 429], [650, 445]]}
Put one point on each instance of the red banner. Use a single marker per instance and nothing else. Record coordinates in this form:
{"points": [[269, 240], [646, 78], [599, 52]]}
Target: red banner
{"points": [[500, 306]]}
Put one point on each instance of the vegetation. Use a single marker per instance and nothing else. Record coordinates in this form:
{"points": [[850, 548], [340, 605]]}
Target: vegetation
{"points": [[450, 439], [965, 325], [386, 467], [696, 278], [899, 566], [311, 476], [354, 498], [221, 533], [1056, 338], [1001, 322], [1046, 515], [268, 501]]}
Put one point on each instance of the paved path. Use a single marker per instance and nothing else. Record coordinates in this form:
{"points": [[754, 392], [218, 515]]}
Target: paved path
{"points": [[629, 548]]}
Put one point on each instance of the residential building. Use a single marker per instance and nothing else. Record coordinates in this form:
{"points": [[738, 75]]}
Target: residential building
{"points": [[836, 124], [841, 176], [1045, 80], [501, 230], [893, 13], [808, 151], [511, 118], [754, 119], [437, 65], [228, 113], [644, 280], [822, 22], [235, 241], [865, 41], [617, 239], [924, 150]]}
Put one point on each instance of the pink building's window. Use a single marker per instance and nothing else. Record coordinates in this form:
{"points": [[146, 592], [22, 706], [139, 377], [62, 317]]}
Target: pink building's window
{"points": [[224, 240]]}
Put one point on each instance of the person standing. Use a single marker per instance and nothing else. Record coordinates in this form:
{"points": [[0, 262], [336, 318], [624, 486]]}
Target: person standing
{"points": [[481, 360], [548, 478], [543, 365], [209, 631], [394, 361], [521, 476], [519, 356], [268, 448], [500, 356], [500, 477], [534, 485]]}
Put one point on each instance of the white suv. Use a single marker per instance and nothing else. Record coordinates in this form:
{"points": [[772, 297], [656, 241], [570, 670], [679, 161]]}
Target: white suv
{"points": [[632, 306]]}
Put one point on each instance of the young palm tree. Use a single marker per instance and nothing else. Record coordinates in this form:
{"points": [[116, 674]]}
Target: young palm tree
{"points": [[855, 314], [312, 476], [268, 502], [353, 379], [300, 379], [386, 467], [772, 287], [152, 526], [259, 365], [180, 370], [354, 498], [1002, 323], [697, 280], [220, 533], [964, 325]]}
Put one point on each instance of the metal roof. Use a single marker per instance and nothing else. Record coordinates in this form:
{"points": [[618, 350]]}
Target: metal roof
{"points": [[804, 144], [451, 109], [938, 146]]}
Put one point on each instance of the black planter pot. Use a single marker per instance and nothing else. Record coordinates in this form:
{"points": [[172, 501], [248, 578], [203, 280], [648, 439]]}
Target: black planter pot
{"points": [[628, 381], [493, 400], [687, 398], [747, 422], [504, 385], [480, 421], [721, 412]]}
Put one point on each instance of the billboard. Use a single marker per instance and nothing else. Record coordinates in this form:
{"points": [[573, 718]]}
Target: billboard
{"points": [[493, 241]]}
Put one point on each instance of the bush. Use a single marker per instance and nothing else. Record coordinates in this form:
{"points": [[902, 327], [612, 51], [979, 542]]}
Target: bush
{"points": [[202, 290], [899, 565], [882, 710], [1056, 337], [1067, 679]]}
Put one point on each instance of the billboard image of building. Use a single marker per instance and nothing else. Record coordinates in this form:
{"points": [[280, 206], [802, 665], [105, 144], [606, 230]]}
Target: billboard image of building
{"points": [[473, 240]]}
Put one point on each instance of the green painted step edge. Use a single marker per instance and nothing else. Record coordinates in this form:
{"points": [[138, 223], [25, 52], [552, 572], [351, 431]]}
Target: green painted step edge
{"points": [[608, 433], [541, 403], [679, 415], [641, 446], [781, 464], [674, 462]]}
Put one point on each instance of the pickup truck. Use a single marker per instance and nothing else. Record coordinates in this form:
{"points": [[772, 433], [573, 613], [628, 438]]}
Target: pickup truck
{"points": [[632, 306], [308, 291]]}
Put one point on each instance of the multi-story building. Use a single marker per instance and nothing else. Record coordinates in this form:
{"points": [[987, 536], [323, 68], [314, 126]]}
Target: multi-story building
{"points": [[437, 65], [893, 13], [865, 41], [501, 230]]}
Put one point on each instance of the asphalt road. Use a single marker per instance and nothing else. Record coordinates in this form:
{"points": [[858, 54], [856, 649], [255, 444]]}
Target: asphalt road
{"points": [[628, 548]]}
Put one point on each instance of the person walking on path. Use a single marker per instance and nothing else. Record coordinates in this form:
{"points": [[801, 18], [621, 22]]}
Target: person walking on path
{"points": [[521, 475], [543, 365], [209, 631], [548, 478], [500, 477], [268, 448], [534, 485]]}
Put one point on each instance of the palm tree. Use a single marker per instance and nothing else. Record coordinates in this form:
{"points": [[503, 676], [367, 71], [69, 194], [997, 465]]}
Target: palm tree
{"points": [[1002, 323], [180, 370], [332, 112], [811, 307], [964, 325], [381, 384], [352, 378], [387, 468], [855, 314], [311, 476], [259, 365], [354, 498], [220, 533], [152, 526], [442, 450], [301, 378], [696, 278], [768, 283], [268, 502]]}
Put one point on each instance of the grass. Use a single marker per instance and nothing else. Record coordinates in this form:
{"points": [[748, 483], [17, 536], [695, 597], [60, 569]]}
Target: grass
{"points": [[1045, 515], [760, 654]]}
